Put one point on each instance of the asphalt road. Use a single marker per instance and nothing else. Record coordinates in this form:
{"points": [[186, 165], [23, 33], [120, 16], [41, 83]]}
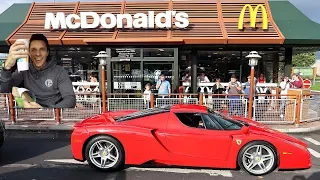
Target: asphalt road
{"points": [[47, 156]]}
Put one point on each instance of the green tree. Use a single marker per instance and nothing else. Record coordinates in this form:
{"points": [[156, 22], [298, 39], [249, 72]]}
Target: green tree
{"points": [[304, 59]]}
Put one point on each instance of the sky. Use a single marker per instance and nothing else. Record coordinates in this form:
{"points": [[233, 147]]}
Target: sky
{"points": [[310, 8]]}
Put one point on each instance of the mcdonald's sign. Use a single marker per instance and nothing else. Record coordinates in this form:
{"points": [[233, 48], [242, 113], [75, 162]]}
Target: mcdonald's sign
{"points": [[253, 16]]}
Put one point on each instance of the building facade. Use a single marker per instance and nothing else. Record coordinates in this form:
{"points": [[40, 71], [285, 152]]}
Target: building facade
{"points": [[217, 37]]}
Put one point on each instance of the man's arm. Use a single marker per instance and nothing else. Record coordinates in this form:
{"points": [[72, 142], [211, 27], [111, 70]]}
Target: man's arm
{"points": [[169, 87], [239, 86], [297, 84], [206, 79], [66, 91], [8, 80], [158, 84]]}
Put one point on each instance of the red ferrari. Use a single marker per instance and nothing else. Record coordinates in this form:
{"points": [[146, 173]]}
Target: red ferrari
{"points": [[185, 135]]}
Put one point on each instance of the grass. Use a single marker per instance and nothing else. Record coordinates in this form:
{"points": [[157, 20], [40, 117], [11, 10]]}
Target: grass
{"points": [[316, 87]]}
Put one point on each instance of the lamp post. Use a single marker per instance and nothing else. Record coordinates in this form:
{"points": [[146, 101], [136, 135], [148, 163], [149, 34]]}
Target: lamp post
{"points": [[102, 62], [253, 61]]}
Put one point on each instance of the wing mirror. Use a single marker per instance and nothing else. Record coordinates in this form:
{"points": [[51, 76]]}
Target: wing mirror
{"points": [[245, 129]]}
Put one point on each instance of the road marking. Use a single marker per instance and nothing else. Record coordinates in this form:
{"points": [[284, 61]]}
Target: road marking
{"points": [[25, 166], [224, 173], [314, 153], [68, 161], [313, 141], [19, 165]]}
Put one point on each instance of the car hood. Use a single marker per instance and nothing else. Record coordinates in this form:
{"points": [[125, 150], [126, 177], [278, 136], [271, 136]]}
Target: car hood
{"points": [[262, 129]]}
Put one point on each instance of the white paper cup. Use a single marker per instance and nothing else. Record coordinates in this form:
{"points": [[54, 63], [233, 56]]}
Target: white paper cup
{"points": [[23, 63]]}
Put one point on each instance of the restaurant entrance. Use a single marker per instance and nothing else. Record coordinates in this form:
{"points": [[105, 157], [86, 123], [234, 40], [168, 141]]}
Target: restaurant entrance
{"points": [[134, 68]]}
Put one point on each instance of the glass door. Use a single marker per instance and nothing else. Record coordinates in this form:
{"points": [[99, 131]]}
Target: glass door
{"points": [[153, 69], [126, 77]]}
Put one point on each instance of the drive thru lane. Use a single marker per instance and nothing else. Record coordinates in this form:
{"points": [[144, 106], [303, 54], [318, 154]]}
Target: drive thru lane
{"points": [[47, 155]]}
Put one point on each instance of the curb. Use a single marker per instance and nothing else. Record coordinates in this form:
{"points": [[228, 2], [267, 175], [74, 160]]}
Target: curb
{"points": [[69, 128], [298, 130], [39, 127], [315, 91]]}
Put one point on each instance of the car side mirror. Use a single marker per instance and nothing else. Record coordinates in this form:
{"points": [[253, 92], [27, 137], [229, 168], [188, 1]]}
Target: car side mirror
{"points": [[245, 129]]}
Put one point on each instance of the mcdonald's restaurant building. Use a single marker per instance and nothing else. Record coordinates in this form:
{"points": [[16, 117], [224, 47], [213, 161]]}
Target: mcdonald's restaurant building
{"points": [[144, 39]]}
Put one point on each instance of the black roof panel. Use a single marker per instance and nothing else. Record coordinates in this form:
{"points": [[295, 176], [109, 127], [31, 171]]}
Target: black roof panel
{"points": [[143, 113]]}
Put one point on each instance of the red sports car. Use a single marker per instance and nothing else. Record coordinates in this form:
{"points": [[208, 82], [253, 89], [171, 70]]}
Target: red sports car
{"points": [[185, 135]]}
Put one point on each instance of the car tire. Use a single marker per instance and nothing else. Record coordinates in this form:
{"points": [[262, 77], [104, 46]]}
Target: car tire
{"points": [[107, 150], [252, 155]]}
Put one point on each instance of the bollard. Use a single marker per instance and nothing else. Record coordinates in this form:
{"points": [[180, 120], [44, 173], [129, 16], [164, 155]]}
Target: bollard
{"points": [[151, 100], [201, 99], [57, 115], [12, 109], [298, 110]]}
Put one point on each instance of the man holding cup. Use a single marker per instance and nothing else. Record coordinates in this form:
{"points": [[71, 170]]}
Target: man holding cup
{"points": [[49, 82]]}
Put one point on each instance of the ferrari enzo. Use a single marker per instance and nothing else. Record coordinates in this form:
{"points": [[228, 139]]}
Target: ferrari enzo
{"points": [[185, 135]]}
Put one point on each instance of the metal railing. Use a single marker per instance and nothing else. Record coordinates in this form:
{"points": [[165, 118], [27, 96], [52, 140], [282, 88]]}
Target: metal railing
{"points": [[310, 108], [84, 109], [281, 111], [4, 107], [115, 104], [267, 108]]}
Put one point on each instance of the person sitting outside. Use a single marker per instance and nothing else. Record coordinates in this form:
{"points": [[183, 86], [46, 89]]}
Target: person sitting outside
{"points": [[203, 78], [261, 79], [49, 82], [92, 78]]}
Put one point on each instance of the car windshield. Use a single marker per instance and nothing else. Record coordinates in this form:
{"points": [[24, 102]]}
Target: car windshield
{"points": [[226, 122]]}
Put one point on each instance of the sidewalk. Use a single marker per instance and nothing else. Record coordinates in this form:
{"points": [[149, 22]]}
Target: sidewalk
{"points": [[67, 126], [301, 128]]}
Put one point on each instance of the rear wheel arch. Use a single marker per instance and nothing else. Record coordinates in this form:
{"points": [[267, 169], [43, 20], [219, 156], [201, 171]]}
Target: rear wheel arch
{"points": [[94, 136]]}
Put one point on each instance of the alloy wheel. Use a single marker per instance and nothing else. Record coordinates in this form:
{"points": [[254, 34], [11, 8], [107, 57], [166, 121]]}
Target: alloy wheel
{"points": [[104, 154], [258, 159]]}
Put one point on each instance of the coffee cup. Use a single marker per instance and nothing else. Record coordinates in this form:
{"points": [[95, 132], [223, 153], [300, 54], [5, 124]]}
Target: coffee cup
{"points": [[23, 63]]}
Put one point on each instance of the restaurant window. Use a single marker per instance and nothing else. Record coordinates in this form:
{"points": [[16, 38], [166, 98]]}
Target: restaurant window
{"points": [[158, 52], [125, 52], [79, 62], [185, 66], [152, 71], [219, 64]]}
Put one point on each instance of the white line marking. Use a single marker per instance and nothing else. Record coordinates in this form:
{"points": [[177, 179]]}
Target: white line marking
{"points": [[314, 153], [313, 141], [19, 165], [69, 161], [225, 173], [25, 166]]}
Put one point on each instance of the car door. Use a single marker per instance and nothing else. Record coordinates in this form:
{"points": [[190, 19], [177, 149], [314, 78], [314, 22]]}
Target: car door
{"points": [[196, 142]]}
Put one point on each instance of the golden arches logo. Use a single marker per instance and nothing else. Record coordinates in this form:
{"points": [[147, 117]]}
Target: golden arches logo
{"points": [[253, 16]]}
